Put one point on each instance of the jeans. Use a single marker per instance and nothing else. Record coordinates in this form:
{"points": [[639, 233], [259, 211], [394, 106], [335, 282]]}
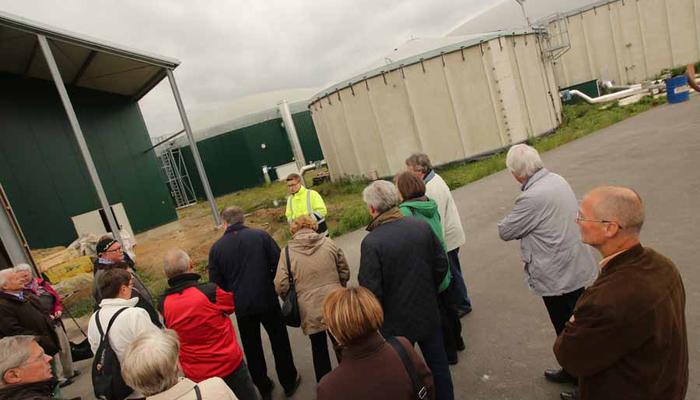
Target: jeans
{"points": [[240, 382], [464, 304], [249, 328], [319, 351], [433, 349]]}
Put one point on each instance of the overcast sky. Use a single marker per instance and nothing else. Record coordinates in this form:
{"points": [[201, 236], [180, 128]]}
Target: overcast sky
{"points": [[230, 49]]}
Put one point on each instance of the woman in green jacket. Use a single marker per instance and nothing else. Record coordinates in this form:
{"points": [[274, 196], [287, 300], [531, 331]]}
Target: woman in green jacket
{"points": [[416, 204]]}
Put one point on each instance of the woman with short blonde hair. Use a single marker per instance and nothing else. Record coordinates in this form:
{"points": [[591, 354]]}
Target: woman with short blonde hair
{"points": [[317, 266], [354, 317], [151, 367]]}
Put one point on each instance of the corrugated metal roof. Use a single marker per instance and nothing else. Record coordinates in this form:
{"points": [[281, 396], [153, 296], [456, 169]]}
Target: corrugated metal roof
{"points": [[82, 60], [422, 49]]}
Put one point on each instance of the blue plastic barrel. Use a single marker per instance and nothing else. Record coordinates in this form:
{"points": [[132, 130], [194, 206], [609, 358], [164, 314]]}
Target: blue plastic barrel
{"points": [[677, 89]]}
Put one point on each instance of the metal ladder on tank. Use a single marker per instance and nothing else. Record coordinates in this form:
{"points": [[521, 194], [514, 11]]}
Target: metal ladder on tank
{"points": [[178, 179], [557, 41]]}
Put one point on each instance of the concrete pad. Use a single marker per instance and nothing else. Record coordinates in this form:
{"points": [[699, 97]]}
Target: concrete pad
{"points": [[509, 336]]}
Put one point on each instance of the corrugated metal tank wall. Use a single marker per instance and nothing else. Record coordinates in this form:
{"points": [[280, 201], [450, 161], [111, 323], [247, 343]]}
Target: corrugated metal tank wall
{"points": [[234, 160], [452, 107], [42, 170], [628, 41]]}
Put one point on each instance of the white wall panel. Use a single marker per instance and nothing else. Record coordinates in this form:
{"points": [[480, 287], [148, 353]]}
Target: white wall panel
{"points": [[629, 41]]}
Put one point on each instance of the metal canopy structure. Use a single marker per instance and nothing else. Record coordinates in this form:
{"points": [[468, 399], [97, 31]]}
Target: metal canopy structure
{"points": [[35, 50]]}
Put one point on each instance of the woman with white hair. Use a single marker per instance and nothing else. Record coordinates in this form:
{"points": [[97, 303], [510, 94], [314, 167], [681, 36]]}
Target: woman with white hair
{"points": [[151, 367], [51, 305], [558, 265]]}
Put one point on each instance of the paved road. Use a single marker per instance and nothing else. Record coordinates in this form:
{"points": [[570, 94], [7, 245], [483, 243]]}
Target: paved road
{"points": [[509, 336]]}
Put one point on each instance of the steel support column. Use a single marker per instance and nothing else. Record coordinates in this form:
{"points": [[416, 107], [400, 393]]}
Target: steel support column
{"points": [[193, 147], [77, 131]]}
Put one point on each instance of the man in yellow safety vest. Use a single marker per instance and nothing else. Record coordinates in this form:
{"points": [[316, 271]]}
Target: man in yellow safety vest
{"points": [[303, 201]]}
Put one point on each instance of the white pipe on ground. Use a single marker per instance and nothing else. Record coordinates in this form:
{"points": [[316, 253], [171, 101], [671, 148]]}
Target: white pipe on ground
{"points": [[607, 97]]}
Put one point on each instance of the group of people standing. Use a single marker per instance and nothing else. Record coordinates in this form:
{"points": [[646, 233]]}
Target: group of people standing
{"points": [[620, 326]]}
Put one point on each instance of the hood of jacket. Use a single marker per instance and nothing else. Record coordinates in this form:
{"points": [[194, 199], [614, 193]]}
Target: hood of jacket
{"points": [[181, 282], [389, 215], [306, 241], [423, 206]]}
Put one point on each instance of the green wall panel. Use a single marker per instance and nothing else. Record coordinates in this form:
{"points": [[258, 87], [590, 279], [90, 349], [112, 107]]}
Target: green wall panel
{"points": [[234, 160], [42, 170], [307, 136]]}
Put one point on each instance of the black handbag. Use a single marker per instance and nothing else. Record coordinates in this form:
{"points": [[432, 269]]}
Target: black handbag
{"points": [[290, 307], [78, 351]]}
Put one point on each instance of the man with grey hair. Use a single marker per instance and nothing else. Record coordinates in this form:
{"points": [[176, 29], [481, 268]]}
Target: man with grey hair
{"points": [[403, 263], [558, 266], [244, 262], [199, 313], [627, 337], [25, 370], [437, 190]]}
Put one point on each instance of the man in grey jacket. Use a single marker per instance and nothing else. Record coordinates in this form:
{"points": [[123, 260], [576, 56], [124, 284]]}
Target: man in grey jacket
{"points": [[558, 265]]}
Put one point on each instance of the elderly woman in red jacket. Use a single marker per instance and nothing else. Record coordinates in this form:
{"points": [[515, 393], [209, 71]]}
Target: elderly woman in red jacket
{"points": [[52, 306]]}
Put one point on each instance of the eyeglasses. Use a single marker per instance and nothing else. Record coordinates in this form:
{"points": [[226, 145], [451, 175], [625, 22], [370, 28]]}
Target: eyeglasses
{"points": [[580, 218], [118, 249]]}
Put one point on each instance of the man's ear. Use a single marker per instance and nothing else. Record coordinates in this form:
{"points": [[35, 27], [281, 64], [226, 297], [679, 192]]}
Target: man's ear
{"points": [[191, 266], [12, 376]]}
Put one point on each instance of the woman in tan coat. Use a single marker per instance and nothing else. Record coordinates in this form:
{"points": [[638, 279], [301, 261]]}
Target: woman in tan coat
{"points": [[318, 267]]}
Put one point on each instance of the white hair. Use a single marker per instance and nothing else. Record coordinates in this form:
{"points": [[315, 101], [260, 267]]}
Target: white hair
{"points": [[176, 262], [523, 160], [381, 195], [4, 275], [23, 267], [150, 362], [14, 351]]}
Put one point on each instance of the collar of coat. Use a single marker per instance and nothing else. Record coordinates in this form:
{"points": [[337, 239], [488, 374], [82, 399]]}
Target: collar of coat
{"points": [[19, 297], [622, 258], [534, 178], [430, 175], [235, 228], [364, 346], [181, 282], [389, 215], [34, 390]]}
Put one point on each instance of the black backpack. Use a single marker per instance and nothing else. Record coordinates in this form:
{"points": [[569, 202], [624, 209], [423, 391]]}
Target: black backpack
{"points": [[107, 379]]}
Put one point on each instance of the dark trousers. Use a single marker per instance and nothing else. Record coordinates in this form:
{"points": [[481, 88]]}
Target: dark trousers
{"points": [[433, 349], [240, 382], [560, 308], [464, 303], [249, 328], [319, 351], [451, 325]]}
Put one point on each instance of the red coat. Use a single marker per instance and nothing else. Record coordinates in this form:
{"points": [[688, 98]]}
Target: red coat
{"points": [[199, 313]]}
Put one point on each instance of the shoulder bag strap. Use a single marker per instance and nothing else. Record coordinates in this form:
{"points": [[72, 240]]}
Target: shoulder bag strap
{"points": [[289, 267], [103, 335], [197, 392], [418, 389]]}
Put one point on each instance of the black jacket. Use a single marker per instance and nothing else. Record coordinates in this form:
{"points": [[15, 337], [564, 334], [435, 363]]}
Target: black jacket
{"points": [[244, 262], [402, 262], [25, 317], [30, 391]]}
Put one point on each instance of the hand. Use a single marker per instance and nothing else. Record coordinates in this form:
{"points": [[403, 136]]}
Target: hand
{"points": [[58, 314], [572, 319]]}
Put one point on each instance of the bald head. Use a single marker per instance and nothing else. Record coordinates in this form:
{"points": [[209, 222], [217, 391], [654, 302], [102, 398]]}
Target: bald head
{"points": [[176, 262], [620, 204]]}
